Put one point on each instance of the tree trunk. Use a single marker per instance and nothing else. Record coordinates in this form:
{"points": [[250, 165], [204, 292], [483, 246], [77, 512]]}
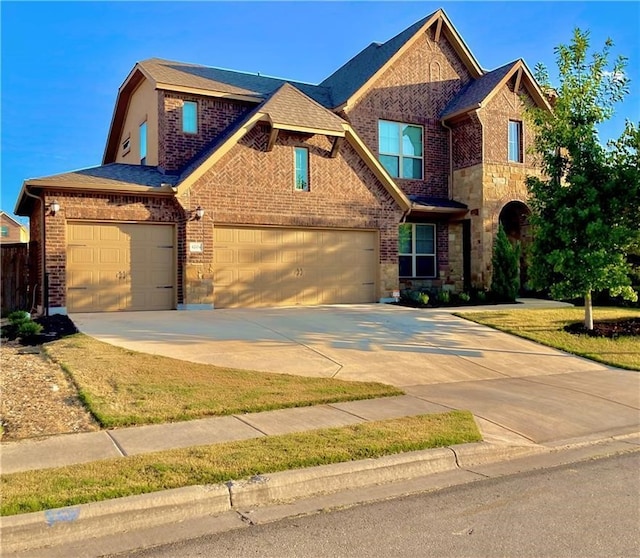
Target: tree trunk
{"points": [[588, 311]]}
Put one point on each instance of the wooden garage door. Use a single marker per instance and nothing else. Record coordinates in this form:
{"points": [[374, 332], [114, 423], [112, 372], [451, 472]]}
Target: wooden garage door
{"points": [[120, 266], [282, 267]]}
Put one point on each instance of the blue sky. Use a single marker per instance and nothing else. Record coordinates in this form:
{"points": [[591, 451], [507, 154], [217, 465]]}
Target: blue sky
{"points": [[62, 62]]}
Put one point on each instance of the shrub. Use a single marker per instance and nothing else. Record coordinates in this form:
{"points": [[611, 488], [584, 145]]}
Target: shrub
{"points": [[505, 281], [464, 297], [29, 328], [481, 296], [444, 297], [19, 317]]}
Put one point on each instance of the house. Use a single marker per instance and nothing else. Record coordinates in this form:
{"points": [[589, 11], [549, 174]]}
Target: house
{"points": [[11, 231], [221, 188]]}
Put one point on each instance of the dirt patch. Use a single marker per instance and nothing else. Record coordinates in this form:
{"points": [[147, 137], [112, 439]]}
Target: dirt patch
{"points": [[37, 397], [610, 329]]}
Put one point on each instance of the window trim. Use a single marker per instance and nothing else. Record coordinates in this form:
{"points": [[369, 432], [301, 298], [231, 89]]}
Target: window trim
{"points": [[413, 254], [184, 105], [520, 140], [296, 150], [400, 155]]}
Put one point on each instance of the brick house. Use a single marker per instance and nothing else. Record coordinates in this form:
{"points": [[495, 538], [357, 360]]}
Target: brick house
{"points": [[221, 188], [11, 231]]}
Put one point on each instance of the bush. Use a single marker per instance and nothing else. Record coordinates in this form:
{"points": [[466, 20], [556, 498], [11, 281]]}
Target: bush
{"points": [[19, 317], [444, 297], [505, 281], [29, 329], [464, 297], [481, 296]]}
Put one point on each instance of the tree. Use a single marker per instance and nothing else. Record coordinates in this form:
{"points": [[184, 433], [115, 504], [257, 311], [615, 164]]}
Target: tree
{"points": [[505, 280], [584, 208]]}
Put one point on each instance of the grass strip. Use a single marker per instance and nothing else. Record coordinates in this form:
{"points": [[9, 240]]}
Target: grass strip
{"points": [[124, 388], [32, 491], [545, 326]]}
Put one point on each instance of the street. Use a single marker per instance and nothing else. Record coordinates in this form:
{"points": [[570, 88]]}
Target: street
{"points": [[590, 508]]}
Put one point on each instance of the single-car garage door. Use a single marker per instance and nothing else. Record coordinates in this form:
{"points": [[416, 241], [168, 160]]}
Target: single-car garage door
{"points": [[264, 266], [120, 266]]}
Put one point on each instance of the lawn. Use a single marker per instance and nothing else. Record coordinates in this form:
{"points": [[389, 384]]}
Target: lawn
{"points": [[123, 388], [546, 326], [112, 478]]}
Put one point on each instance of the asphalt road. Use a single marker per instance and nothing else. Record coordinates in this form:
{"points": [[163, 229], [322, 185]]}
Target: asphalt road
{"points": [[585, 509]]}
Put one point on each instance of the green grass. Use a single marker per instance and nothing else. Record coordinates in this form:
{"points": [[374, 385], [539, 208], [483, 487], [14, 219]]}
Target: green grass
{"points": [[546, 326], [112, 478], [123, 388]]}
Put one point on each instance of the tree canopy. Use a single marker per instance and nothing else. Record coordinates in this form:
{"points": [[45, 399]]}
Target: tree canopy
{"points": [[585, 207]]}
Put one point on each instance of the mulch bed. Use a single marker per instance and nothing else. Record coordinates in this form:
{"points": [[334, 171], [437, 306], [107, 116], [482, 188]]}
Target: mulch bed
{"points": [[53, 328], [611, 329]]}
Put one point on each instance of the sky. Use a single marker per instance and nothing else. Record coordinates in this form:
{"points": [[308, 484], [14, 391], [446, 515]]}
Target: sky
{"points": [[63, 62]]}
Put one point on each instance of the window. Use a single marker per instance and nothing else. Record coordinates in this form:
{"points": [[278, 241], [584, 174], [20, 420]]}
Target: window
{"points": [[4, 231], [302, 169], [400, 148], [143, 143], [515, 141], [417, 250], [190, 117]]}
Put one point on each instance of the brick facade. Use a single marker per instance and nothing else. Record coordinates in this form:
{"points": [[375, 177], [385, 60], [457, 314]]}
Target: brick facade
{"points": [[176, 148]]}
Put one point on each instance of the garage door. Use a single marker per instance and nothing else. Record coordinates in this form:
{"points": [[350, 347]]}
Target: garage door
{"points": [[120, 266], [282, 267]]}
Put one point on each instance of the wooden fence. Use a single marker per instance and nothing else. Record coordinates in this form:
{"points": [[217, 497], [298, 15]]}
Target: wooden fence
{"points": [[15, 277]]}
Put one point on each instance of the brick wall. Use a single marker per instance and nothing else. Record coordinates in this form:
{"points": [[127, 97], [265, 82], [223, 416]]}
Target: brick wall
{"points": [[175, 148], [252, 186], [96, 207], [415, 90], [467, 142]]}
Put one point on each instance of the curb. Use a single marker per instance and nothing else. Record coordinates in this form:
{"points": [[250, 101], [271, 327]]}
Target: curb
{"points": [[34, 532]]}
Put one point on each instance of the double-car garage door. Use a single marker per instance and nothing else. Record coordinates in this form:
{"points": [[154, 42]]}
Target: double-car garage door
{"points": [[131, 266], [120, 266], [265, 266]]}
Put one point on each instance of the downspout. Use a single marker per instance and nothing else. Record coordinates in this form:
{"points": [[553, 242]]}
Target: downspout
{"points": [[45, 308]]}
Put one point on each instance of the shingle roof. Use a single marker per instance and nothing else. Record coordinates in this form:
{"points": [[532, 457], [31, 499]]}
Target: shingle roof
{"points": [[346, 80], [113, 175], [225, 81], [476, 91], [288, 106]]}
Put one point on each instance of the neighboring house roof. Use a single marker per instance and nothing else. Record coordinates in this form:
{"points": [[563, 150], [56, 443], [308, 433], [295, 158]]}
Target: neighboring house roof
{"points": [[348, 81], [480, 91], [114, 177], [10, 218]]}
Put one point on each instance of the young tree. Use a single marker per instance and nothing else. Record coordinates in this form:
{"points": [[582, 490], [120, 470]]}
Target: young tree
{"points": [[585, 208], [505, 280]]}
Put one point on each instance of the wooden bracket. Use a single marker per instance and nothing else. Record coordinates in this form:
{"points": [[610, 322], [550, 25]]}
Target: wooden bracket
{"points": [[273, 136], [337, 142]]}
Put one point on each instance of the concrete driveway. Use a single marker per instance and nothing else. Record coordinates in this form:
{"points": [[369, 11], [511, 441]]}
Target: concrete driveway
{"points": [[517, 389]]}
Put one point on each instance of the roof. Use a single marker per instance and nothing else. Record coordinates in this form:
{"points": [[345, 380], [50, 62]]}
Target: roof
{"points": [[352, 77], [114, 177], [12, 219], [476, 91], [231, 82], [289, 108], [436, 205], [346, 80]]}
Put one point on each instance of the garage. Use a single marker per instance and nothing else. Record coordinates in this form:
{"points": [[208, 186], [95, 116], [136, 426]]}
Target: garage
{"points": [[120, 267], [269, 266]]}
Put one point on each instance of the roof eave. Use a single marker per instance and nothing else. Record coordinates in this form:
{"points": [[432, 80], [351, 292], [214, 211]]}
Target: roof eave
{"points": [[209, 92]]}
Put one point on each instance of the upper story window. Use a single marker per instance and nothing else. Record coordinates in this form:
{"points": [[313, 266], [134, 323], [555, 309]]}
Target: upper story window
{"points": [[302, 169], [515, 141], [417, 250], [400, 149], [4, 231], [143, 143], [190, 117]]}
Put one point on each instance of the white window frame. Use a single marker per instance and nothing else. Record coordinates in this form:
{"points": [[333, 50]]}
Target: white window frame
{"points": [[516, 142], [400, 155], [186, 104], [414, 254], [296, 185]]}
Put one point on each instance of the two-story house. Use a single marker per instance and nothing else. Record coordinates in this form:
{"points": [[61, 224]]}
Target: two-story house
{"points": [[221, 188]]}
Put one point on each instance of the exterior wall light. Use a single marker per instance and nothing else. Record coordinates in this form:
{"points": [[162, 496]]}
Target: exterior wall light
{"points": [[54, 207], [198, 213]]}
